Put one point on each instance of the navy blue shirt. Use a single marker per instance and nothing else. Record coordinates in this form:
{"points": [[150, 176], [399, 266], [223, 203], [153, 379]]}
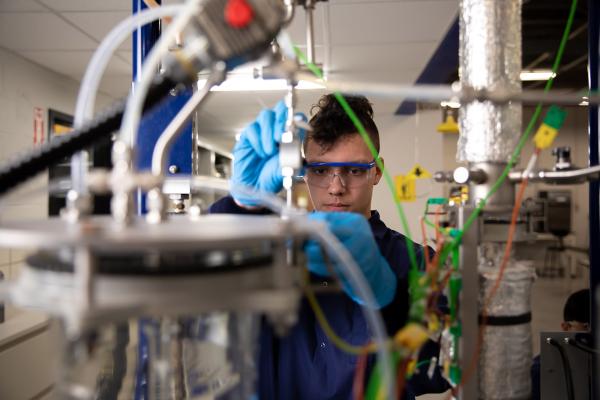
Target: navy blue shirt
{"points": [[305, 364]]}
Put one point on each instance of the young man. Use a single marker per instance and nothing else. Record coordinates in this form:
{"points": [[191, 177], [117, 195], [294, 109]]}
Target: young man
{"points": [[340, 175], [576, 318]]}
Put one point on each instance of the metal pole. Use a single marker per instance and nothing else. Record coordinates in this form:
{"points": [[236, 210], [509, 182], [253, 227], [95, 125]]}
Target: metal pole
{"points": [[594, 188], [469, 305], [143, 39], [310, 30]]}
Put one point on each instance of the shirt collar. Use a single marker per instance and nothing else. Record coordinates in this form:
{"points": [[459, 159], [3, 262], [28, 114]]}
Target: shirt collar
{"points": [[377, 226]]}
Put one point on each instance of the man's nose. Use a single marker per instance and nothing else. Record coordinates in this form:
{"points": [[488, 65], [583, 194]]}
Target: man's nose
{"points": [[336, 187]]}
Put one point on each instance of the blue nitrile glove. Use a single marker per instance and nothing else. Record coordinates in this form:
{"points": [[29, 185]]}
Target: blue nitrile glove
{"points": [[256, 154], [354, 232]]}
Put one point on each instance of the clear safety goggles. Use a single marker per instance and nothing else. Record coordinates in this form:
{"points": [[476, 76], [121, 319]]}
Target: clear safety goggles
{"points": [[322, 174]]}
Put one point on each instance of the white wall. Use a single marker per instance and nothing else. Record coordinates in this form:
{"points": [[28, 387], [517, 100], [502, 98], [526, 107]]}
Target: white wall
{"points": [[24, 86], [406, 140], [27, 351]]}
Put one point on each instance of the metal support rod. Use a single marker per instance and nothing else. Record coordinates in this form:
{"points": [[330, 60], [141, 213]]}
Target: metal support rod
{"points": [[594, 188], [309, 6], [170, 134], [469, 305], [559, 177], [436, 93]]}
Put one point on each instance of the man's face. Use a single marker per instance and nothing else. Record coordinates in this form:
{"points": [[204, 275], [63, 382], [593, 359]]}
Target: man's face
{"points": [[575, 326], [337, 196]]}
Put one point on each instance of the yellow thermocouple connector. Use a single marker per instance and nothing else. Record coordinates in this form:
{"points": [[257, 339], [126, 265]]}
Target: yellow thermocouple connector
{"points": [[555, 117]]}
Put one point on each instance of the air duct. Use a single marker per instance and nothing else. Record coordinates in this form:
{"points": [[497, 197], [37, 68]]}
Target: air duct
{"points": [[490, 58]]}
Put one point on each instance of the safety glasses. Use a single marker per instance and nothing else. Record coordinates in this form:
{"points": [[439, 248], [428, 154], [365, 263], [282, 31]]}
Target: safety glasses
{"points": [[351, 174]]}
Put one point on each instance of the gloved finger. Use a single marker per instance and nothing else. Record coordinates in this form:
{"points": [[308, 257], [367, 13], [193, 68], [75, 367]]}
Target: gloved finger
{"points": [[301, 132], [342, 224], [314, 254], [246, 165], [252, 136], [270, 179], [266, 122], [281, 113]]}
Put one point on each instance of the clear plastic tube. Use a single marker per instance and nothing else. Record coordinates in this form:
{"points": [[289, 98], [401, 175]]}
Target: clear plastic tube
{"points": [[88, 90], [353, 274], [265, 199], [93, 75], [348, 268], [135, 102]]}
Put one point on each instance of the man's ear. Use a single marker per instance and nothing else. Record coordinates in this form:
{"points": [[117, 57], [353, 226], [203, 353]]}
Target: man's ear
{"points": [[378, 172], [565, 326]]}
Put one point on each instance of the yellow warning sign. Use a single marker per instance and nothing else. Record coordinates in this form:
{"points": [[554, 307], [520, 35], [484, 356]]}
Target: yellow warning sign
{"points": [[406, 188], [419, 172]]}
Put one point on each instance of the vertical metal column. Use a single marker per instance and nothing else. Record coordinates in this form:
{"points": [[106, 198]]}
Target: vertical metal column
{"points": [[469, 304], [144, 38], [594, 188]]}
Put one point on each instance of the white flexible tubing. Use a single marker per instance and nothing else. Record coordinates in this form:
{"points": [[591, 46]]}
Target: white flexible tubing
{"points": [[530, 165], [348, 267], [88, 90], [86, 98], [351, 271], [135, 102], [265, 199]]}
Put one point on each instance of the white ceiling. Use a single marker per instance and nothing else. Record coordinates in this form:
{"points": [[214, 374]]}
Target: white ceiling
{"points": [[367, 40]]}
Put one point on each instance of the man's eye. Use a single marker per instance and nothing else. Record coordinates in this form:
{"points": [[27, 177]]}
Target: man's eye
{"points": [[319, 171], [355, 171]]}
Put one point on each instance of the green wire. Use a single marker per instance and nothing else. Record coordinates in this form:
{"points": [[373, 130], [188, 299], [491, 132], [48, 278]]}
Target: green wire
{"points": [[365, 136]]}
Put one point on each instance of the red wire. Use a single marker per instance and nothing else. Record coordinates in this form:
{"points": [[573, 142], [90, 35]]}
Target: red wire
{"points": [[401, 378], [426, 248], [359, 377]]}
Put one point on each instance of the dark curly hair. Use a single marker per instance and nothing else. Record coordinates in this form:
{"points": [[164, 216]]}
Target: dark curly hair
{"points": [[330, 122], [577, 307]]}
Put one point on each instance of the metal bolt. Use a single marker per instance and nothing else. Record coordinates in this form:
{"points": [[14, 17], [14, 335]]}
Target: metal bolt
{"points": [[173, 169]]}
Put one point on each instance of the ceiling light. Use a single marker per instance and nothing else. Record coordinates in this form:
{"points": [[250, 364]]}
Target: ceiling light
{"points": [[451, 104], [249, 84], [537, 75]]}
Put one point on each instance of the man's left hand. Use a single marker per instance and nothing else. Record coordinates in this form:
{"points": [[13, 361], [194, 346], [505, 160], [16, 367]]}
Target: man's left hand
{"points": [[354, 232]]}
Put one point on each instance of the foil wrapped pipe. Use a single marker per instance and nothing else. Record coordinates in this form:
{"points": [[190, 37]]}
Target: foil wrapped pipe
{"points": [[489, 58], [506, 351]]}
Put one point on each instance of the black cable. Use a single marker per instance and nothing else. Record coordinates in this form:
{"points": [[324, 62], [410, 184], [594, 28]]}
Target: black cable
{"points": [[566, 368], [99, 129], [575, 343]]}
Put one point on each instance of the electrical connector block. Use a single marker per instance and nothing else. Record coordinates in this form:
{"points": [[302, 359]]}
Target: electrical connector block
{"points": [[554, 120], [411, 337]]}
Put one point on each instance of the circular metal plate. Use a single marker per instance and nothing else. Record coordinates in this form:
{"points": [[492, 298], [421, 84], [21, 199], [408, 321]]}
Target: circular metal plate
{"points": [[176, 233]]}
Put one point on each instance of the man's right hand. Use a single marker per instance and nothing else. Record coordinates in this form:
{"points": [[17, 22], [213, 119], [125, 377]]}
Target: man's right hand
{"points": [[256, 155]]}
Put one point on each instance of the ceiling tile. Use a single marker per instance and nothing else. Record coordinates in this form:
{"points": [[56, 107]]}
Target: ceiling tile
{"points": [[381, 56], [73, 63], [378, 23], [40, 31], [116, 86], [20, 6], [385, 76], [126, 56], [98, 23], [297, 28], [88, 5]]}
